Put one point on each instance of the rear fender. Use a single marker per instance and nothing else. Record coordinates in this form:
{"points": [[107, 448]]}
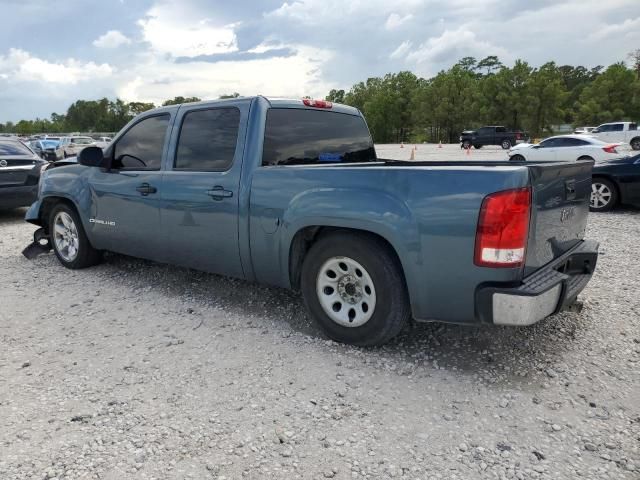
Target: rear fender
{"points": [[365, 210]]}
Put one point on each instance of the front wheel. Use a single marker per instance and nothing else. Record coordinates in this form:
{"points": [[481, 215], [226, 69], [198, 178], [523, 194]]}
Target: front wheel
{"points": [[68, 239], [466, 144], [354, 288], [517, 158], [477, 147], [506, 144], [635, 143], [604, 195]]}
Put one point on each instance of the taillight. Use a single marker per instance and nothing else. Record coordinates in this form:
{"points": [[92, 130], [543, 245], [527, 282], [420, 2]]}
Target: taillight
{"points": [[317, 103], [610, 149], [503, 227], [518, 135]]}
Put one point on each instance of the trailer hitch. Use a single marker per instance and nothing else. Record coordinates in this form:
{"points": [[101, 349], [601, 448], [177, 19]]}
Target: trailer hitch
{"points": [[41, 244]]}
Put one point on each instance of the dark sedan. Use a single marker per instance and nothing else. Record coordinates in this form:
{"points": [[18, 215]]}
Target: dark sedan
{"points": [[615, 182], [20, 171]]}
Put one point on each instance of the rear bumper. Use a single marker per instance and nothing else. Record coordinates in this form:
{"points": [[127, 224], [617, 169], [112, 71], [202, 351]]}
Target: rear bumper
{"points": [[545, 292], [19, 196]]}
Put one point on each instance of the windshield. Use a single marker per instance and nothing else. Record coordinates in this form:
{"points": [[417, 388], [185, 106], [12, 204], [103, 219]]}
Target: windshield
{"points": [[9, 147], [49, 143]]}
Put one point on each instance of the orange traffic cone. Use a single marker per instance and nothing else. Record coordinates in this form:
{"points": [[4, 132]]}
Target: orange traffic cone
{"points": [[413, 154], [401, 144]]}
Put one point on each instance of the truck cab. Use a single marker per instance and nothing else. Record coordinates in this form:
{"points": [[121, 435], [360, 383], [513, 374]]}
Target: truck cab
{"points": [[619, 132]]}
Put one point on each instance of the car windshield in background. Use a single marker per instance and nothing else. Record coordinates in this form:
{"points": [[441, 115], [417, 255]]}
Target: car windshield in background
{"points": [[13, 148], [306, 137], [49, 143]]}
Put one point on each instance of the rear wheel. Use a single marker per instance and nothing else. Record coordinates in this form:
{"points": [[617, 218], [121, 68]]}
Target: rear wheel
{"points": [[604, 195], [505, 144], [68, 239], [517, 158], [477, 147], [635, 143], [353, 287]]}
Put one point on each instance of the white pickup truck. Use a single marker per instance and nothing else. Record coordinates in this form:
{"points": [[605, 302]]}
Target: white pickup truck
{"points": [[619, 132]]}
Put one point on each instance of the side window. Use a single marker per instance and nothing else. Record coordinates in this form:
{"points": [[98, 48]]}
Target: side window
{"points": [[633, 126], [604, 128], [617, 127], [501, 129], [306, 137], [548, 143], [141, 146], [207, 140], [485, 131]]}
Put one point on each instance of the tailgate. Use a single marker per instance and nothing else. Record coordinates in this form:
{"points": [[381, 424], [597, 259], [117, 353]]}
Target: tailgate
{"points": [[559, 210]]}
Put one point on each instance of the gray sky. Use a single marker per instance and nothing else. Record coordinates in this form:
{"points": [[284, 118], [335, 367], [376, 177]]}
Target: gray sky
{"points": [[52, 53]]}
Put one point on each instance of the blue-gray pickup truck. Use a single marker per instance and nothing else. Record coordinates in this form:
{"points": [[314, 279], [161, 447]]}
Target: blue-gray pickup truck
{"points": [[290, 193]]}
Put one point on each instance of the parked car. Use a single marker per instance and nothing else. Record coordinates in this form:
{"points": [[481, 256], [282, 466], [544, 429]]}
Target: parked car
{"points": [[20, 171], [584, 130], [71, 146], [615, 182], [494, 135], [564, 148], [620, 132], [290, 193], [102, 142], [47, 149]]}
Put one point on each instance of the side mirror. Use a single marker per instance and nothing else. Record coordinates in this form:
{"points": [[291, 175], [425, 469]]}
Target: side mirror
{"points": [[91, 157]]}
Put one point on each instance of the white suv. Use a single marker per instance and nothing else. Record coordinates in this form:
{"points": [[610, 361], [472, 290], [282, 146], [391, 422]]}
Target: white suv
{"points": [[72, 146], [619, 132]]}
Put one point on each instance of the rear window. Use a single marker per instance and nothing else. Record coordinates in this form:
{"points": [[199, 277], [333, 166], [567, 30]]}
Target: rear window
{"points": [[307, 137], [13, 148], [633, 126]]}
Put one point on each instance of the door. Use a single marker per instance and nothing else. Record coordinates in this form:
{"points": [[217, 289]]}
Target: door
{"points": [[546, 151], [200, 188], [125, 213]]}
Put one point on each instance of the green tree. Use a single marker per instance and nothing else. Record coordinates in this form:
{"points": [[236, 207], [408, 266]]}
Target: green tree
{"points": [[336, 96], [231, 95], [613, 95], [547, 92], [179, 100], [136, 108], [490, 63]]}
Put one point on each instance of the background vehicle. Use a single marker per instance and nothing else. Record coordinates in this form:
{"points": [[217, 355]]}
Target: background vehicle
{"points": [[19, 174], [583, 130], [564, 148], [494, 135], [102, 142], [71, 146], [615, 182], [47, 149], [621, 132], [290, 193]]}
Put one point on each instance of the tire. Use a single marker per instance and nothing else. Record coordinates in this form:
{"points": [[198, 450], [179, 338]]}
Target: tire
{"points": [[505, 144], [604, 195], [477, 147], [373, 277], [517, 158], [69, 240], [635, 143], [466, 144]]}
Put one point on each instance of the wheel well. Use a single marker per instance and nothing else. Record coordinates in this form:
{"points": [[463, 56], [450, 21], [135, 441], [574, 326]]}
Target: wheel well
{"points": [[47, 205], [613, 182], [306, 237], [585, 157]]}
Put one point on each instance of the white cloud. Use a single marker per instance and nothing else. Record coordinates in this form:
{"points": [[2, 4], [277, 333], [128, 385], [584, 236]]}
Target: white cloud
{"points": [[111, 39], [20, 66], [289, 76], [394, 20], [174, 29], [452, 45], [628, 27], [402, 50]]}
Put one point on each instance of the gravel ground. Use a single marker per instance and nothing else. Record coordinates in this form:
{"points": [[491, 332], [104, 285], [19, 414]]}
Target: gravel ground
{"points": [[135, 370]]}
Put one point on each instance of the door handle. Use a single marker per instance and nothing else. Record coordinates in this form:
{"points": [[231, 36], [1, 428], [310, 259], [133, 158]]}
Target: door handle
{"points": [[145, 189], [218, 193]]}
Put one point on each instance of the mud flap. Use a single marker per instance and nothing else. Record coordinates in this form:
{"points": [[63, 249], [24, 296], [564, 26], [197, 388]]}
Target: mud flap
{"points": [[41, 244]]}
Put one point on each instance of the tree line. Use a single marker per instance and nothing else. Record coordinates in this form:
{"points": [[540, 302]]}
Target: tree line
{"points": [[404, 107], [102, 115]]}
